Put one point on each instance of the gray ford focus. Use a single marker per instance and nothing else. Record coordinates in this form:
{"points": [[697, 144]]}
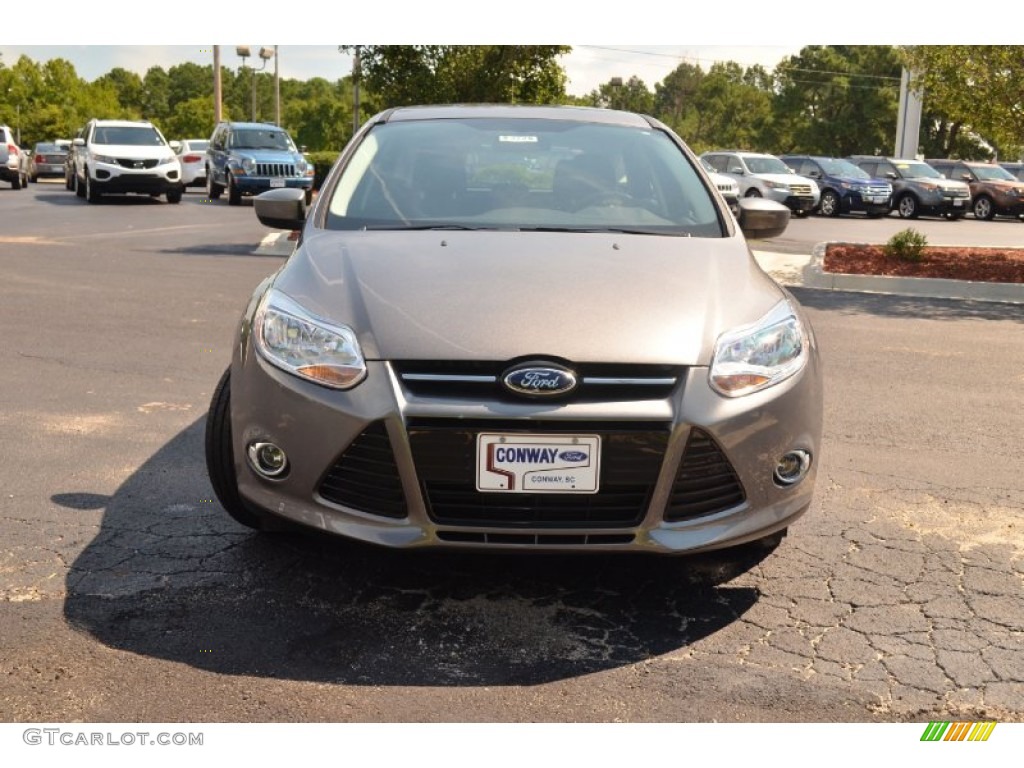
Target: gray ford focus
{"points": [[532, 328]]}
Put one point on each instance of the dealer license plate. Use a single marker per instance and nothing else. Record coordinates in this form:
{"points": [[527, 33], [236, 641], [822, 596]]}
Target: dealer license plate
{"points": [[276, 183], [878, 198], [519, 463], [958, 203]]}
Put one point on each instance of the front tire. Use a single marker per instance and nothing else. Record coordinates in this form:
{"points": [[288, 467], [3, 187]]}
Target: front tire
{"points": [[213, 190], [753, 192], [907, 207], [220, 461], [16, 181], [92, 194], [983, 208], [174, 195], [830, 204], [234, 196]]}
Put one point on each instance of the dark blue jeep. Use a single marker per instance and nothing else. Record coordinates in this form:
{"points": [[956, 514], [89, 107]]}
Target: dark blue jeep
{"points": [[249, 158]]}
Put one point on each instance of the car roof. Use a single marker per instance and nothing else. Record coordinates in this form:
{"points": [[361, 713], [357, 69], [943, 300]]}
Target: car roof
{"points": [[121, 123], [238, 124], [559, 112]]}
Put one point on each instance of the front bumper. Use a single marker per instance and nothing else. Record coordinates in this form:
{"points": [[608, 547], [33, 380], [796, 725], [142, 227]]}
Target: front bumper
{"points": [[115, 179], [254, 185], [801, 203], [388, 465]]}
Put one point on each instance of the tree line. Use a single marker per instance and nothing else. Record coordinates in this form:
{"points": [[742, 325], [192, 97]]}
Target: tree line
{"points": [[828, 100]]}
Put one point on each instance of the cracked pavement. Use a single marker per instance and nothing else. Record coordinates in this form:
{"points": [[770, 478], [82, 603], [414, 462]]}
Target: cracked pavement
{"points": [[126, 594]]}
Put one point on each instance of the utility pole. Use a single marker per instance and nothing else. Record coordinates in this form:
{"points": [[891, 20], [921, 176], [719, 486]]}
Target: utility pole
{"points": [[908, 119], [277, 89], [217, 95]]}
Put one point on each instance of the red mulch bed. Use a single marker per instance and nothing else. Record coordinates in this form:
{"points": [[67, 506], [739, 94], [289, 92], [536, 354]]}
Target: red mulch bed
{"points": [[988, 265]]}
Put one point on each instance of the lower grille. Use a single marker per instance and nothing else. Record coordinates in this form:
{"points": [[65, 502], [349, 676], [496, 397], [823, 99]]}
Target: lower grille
{"points": [[538, 539], [365, 476], [275, 169], [445, 456], [706, 483]]}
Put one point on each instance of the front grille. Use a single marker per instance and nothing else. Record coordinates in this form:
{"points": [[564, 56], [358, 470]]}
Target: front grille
{"points": [[136, 164], [706, 483], [800, 189], [445, 456], [954, 194], [482, 381], [536, 539], [275, 169], [365, 476]]}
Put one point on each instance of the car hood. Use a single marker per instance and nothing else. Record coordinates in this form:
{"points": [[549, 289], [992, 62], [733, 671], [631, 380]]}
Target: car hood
{"points": [[141, 152], [941, 183], [501, 295], [268, 155]]}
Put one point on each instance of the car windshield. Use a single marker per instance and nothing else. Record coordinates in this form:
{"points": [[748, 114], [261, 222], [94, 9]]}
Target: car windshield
{"points": [[197, 146], [260, 139], [766, 165], [522, 174], [992, 173], [133, 135], [917, 171], [49, 149], [843, 168]]}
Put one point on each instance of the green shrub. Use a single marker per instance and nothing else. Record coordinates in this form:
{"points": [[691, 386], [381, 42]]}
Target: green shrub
{"points": [[322, 163], [906, 245]]}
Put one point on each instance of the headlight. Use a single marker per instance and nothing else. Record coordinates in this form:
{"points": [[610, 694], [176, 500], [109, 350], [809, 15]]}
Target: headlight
{"points": [[311, 348], [757, 356], [244, 164], [777, 185], [104, 159], [168, 159]]}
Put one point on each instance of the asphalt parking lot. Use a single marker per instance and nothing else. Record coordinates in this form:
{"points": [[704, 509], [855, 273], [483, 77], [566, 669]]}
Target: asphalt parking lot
{"points": [[126, 594]]}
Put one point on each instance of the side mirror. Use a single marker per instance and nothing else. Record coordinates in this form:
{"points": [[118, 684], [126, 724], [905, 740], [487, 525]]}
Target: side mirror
{"points": [[281, 208], [737, 170], [891, 175], [175, 145], [966, 177], [760, 219], [79, 142]]}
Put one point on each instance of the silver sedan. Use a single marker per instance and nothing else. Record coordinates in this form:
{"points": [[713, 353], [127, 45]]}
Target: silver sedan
{"points": [[533, 328]]}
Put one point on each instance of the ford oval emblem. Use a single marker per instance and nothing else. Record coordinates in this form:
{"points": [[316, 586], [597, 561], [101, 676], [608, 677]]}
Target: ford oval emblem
{"points": [[540, 380], [572, 456]]}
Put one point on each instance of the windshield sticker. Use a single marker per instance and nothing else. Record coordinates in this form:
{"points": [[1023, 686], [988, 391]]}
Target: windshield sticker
{"points": [[519, 139]]}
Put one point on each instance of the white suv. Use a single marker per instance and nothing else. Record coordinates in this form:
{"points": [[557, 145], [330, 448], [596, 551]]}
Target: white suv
{"points": [[761, 175], [121, 156], [13, 160]]}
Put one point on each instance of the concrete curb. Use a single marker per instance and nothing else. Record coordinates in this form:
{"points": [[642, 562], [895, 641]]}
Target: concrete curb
{"points": [[808, 271]]}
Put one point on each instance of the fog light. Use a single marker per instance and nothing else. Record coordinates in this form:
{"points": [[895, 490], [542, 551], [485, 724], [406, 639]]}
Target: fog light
{"points": [[792, 467], [267, 459]]}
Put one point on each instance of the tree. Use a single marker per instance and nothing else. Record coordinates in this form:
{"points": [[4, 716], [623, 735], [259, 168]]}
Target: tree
{"points": [[836, 100], [401, 75], [970, 89], [731, 109], [632, 96]]}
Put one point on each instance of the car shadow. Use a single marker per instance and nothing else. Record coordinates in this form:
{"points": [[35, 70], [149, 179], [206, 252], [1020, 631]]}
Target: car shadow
{"points": [[170, 576]]}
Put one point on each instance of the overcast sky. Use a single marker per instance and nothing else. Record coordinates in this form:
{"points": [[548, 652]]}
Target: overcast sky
{"points": [[587, 66], [745, 31]]}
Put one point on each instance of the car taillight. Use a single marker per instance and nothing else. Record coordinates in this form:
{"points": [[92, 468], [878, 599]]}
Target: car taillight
{"points": [[191, 158], [40, 159], [12, 149]]}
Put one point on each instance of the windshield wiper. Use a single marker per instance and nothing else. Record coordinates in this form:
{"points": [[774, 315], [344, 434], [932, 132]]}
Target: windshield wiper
{"points": [[427, 227], [609, 230]]}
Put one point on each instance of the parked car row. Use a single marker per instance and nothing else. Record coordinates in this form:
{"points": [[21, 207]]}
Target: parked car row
{"points": [[134, 157], [876, 185]]}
